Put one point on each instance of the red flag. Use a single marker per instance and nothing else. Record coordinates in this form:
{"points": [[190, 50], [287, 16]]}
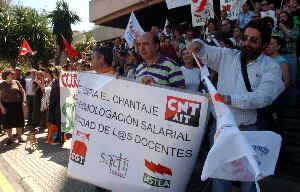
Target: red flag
{"points": [[69, 49], [25, 49], [226, 7]]}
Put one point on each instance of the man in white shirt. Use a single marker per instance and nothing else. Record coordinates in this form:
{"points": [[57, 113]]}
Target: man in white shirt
{"points": [[264, 76], [30, 94]]}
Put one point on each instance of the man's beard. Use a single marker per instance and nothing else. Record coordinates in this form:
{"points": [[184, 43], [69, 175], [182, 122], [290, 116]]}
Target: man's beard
{"points": [[249, 53]]}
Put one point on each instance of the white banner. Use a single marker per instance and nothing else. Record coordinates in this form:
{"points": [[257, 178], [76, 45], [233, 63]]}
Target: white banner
{"points": [[176, 3], [133, 30], [199, 15], [68, 90], [233, 7], [133, 137], [238, 155], [249, 155]]}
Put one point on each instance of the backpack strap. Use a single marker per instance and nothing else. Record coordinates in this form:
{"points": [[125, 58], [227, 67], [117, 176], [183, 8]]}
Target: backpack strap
{"points": [[245, 74]]}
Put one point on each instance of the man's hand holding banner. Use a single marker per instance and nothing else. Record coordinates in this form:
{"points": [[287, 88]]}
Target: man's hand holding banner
{"points": [[133, 137]]}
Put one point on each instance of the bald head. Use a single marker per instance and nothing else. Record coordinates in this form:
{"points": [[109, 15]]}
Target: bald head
{"points": [[148, 45]]}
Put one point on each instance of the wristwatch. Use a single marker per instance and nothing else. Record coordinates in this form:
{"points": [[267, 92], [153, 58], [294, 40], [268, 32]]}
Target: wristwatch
{"points": [[227, 99]]}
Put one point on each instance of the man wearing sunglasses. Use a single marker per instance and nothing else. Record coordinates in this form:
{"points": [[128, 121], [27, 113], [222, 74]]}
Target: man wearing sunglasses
{"points": [[264, 77]]}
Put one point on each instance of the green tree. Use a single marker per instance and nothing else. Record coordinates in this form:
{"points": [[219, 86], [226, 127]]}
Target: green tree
{"points": [[18, 23], [61, 19], [85, 44]]}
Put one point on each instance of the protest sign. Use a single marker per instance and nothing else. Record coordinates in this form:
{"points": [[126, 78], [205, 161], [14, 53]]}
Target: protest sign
{"points": [[68, 89], [176, 3], [201, 10], [133, 137], [133, 30], [232, 7]]}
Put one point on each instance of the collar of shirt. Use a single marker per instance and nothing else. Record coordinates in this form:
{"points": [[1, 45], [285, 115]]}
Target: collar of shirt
{"points": [[109, 70]]}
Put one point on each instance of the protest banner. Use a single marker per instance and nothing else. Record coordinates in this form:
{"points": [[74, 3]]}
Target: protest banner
{"points": [[68, 90], [171, 4], [133, 137], [133, 30], [201, 10], [232, 7]]}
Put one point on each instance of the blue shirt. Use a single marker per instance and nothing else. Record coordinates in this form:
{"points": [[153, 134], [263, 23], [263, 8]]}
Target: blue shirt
{"points": [[245, 18], [280, 60]]}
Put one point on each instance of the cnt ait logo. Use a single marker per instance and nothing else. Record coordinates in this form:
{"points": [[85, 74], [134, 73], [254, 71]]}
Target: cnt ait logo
{"points": [[79, 149], [158, 170], [183, 111]]}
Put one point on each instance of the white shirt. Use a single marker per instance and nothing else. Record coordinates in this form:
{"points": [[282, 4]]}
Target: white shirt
{"points": [[191, 77], [29, 86], [264, 75]]}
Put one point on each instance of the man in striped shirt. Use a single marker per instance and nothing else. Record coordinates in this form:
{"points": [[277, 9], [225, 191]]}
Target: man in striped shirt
{"points": [[156, 68]]}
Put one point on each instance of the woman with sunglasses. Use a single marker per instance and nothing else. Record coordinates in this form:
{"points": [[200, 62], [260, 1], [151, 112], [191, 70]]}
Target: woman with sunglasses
{"points": [[12, 100]]}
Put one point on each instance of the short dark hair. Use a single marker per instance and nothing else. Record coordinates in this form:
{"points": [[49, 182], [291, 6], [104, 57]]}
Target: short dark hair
{"points": [[268, 20], [263, 28], [168, 37], [211, 20], [106, 52], [229, 22], [280, 41], [6, 72], [257, 13]]}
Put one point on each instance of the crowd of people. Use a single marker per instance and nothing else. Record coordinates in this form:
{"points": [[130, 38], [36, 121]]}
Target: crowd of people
{"points": [[37, 94], [252, 61]]}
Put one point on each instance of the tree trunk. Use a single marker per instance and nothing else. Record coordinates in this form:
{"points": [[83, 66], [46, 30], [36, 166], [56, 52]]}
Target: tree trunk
{"points": [[58, 56]]}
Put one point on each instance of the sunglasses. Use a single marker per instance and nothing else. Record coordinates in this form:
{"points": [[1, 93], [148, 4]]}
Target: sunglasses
{"points": [[253, 17], [264, 4], [252, 40]]}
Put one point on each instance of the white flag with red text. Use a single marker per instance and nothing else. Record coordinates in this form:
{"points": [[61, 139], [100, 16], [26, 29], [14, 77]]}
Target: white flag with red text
{"points": [[133, 30], [201, 10], [238, 155], [232, 7]]}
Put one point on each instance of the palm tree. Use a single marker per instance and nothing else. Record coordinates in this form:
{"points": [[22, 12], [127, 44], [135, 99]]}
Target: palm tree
{"points": [[85, 44], [61, 19], [18, 23]]}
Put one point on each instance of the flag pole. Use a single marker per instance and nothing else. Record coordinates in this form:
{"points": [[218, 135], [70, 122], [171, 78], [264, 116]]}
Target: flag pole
{"points": [[252, 4], [281, 4]]}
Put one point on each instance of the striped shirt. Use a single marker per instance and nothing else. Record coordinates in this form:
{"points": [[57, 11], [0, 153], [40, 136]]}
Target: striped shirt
{"points": [[290, 40], [264, 75], [165, 72]]}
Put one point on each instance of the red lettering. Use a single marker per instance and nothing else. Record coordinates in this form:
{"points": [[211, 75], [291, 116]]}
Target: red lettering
{"points": [[69, 80]]}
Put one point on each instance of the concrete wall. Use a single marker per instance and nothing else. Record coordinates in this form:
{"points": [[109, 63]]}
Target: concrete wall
{"points": [[102, 33], [102, 8]]}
